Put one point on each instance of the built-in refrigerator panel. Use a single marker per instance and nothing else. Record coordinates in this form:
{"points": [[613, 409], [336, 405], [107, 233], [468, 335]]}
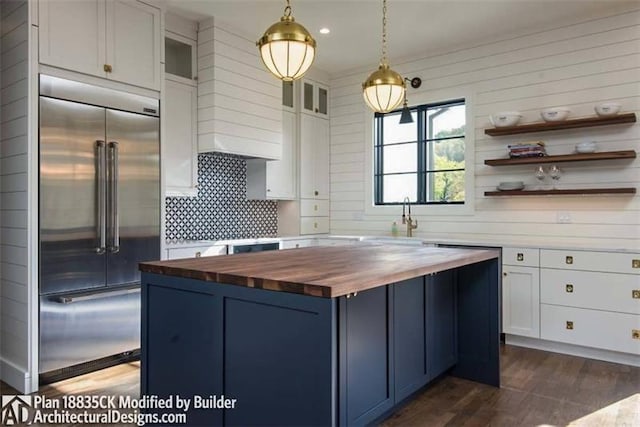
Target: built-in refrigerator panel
{"points": [[133, 199], [70, 164]]}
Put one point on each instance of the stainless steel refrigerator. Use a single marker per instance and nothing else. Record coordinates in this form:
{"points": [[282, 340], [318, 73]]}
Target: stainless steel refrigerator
{"points": [[99, 217]]}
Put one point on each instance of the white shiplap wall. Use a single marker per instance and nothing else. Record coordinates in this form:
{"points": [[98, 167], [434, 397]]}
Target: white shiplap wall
{"points": [[239, 102], [14, 334], [576, 65]]}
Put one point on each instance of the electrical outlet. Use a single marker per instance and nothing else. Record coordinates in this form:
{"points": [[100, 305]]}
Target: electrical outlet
{"points": [[563, 218]]}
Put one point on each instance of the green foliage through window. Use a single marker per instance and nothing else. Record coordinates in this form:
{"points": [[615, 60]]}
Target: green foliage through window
{"points": [[423, 160]]}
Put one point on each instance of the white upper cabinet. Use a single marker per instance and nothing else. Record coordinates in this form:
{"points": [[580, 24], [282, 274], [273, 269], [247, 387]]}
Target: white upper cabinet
{"points": [[314, 98], [115, 39], [314, 157], [180, 142], [276, 179]]}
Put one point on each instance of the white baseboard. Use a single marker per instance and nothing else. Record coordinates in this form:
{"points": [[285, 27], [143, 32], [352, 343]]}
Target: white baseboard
{"points": [[574, 350], [16, 377]]}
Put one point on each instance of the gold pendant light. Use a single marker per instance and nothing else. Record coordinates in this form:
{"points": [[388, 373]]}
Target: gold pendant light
{"points": [[384, 89], [286, 48]]}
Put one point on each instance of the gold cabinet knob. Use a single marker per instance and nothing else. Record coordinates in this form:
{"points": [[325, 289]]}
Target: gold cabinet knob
{"points": [[316, 193], [635, 294], [635, 334], [569, 325], [520, 257], [504, 274], [315, 225], [198, 254], [315, 207], [635, 263], [107, 68], [569, 260], [569, 288]]}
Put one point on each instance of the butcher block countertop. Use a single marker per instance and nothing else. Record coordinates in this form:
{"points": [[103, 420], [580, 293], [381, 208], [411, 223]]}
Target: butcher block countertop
{"points": [[321, 271]]}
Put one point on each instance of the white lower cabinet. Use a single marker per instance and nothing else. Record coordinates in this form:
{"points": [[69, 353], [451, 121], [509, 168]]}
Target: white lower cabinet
{"points": [[196, 251], [591, 328], [521, 301], [302, 243], [591, 299]]}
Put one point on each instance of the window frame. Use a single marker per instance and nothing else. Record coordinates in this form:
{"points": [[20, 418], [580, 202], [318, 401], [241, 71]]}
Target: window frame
{"points": [[437, 212], [422, 144]]}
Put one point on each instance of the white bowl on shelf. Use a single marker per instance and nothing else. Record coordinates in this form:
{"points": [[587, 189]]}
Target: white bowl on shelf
{"points": [[510, 185], [606, 109], [586, 147], [506, 118], [555, 114]]}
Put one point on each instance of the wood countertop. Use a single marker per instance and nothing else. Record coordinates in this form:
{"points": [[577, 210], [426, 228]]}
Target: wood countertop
{"points": [[328, 271]]}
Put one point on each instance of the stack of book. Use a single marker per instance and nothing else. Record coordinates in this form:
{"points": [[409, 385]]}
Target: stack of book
{"points": [[527, 149]]}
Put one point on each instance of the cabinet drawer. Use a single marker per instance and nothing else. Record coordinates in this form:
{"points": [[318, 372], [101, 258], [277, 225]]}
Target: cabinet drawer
{"points": [[602, 291], [527, 257], [314, 207], [591, 261], [196, 252], [290, 244], [314, 225], [590, 328]]}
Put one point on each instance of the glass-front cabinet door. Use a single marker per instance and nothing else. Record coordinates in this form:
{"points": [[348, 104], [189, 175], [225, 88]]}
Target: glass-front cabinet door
{"points": [[314, 98]]}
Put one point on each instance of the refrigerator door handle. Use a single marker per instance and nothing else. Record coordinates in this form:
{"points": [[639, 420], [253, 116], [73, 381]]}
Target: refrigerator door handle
{"points": [[101, 196], [114, 247]]}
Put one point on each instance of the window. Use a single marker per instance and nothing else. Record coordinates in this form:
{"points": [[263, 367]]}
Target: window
{"points": [[423, 160]]}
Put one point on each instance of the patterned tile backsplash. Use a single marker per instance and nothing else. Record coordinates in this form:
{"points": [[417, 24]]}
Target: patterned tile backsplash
{"points": [[221, 209]]}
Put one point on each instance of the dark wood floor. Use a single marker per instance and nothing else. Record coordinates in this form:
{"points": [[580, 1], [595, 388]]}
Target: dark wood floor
{"points": [[538, 388]]}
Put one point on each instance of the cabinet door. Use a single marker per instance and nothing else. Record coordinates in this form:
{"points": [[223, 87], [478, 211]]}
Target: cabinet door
{"points": [[441, 315], [133, 43], [314, 98], [321, 171], [281, 174], [521, 301], [72, 35], [314, 158], [366, 361], [409, 337], [180, 142]]}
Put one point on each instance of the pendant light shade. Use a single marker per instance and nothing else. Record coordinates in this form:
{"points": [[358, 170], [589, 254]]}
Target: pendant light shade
{"points": [[286, 48], [384, 89]]}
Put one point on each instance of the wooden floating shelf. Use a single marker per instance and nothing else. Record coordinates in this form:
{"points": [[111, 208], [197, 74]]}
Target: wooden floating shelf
{"points": [[565, 124], [578, 157], [581, 191]]}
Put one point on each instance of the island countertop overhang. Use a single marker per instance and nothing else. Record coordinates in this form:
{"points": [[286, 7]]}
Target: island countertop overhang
{"points": [[328, 272]]}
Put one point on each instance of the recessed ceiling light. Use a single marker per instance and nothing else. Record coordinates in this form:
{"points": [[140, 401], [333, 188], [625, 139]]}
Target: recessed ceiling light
{"points": [[324, 30]]}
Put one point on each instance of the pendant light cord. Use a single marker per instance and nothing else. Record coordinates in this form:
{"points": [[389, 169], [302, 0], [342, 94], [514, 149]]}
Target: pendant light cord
{"points": [[384, 31], [287, 9]]}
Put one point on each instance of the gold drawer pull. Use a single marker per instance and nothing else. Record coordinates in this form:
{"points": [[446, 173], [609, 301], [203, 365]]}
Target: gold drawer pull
{"points": [[635, 263], [315, 225], [569, 325], [198, 254], [635, 334], [635, 294], [315, 207], [107, 68], [569, 260], [520, 257], [569, 288]]}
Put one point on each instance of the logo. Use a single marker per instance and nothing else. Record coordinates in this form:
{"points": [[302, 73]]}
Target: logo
{"points": [[15, 410]]}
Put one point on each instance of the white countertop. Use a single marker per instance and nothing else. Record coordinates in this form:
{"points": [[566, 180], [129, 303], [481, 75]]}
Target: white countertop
{"points": [[401, 240]]}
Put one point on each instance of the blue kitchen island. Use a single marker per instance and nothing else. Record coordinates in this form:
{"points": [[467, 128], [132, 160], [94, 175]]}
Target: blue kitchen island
{"points": [[317, 336]]}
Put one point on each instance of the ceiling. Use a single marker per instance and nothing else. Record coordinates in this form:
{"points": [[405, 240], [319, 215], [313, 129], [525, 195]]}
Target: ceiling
{"points": [[415, 27]]}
